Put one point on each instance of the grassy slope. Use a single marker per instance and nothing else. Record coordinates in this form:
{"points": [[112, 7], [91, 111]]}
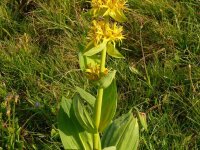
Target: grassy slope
{"points": [[161, 76]]}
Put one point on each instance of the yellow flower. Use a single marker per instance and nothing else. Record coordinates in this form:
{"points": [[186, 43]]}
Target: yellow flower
{"points": [[112, 8], [96, 6], [101, 30], [93, 73]]}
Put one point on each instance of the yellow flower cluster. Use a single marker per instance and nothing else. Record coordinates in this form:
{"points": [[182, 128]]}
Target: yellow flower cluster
{"points": [[102, 30], [107, 7], [93, 73]]}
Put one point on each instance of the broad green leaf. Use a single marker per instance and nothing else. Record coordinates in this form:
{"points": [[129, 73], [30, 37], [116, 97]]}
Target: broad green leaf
{"points": [[89, 46], [73, 135], [112, 51], [109, 105], [106, 80], [122, 133], [86, 96], [85, 61], [118, 16], [96, 49], [82, 115], [92, 60], [110, 148]]}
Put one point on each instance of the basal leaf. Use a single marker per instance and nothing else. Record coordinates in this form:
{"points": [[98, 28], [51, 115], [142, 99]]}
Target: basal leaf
{"points": [[96, 49], [122, 133], [82, 115], [109, 105], [86, 96], [72, 134], [106, 80], [87, 140], [112, 51], [110, 148]]}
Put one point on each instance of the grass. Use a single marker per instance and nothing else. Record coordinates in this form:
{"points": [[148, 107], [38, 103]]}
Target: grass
{"points": [[39, 42]]}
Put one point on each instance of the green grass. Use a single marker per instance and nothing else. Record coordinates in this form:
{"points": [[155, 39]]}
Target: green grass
{"points": [[39, 43]]}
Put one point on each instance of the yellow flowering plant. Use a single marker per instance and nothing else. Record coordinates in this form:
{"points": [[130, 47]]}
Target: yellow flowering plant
{"points": [[86, 122]]}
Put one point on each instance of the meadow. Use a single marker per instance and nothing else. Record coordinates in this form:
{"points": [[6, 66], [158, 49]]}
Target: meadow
{"points": [[39, 45]]}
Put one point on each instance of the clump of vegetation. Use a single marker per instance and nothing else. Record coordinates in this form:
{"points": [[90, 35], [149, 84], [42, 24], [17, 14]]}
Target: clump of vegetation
{"points": [[160, 76]]}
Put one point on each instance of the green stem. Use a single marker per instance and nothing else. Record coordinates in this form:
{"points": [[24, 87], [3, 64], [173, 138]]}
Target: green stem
{"points": [[98, 103]]}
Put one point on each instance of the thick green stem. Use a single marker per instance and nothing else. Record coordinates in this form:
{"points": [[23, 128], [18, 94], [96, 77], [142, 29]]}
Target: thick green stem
{"points": [[98, 104], [103, 60]]}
